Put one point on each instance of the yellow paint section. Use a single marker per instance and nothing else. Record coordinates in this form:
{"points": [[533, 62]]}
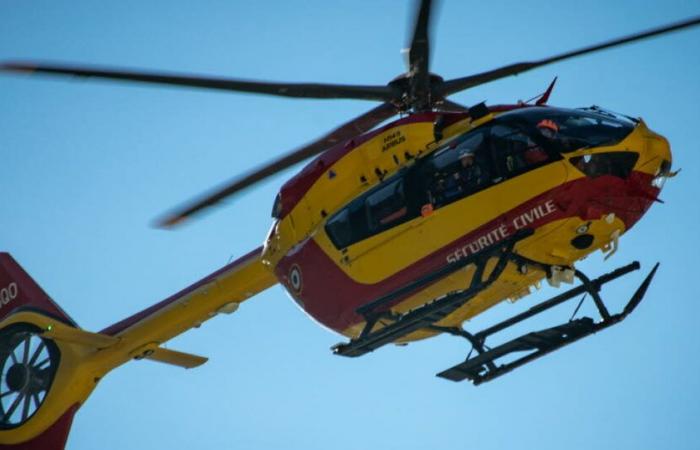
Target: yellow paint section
{"points": [[237, 285]]}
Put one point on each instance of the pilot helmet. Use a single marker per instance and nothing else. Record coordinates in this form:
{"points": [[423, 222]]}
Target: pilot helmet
{"points": [[548, 128]]}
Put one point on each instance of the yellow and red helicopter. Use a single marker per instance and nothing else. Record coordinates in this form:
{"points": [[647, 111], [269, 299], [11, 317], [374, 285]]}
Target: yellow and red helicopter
{"points": [[389, 234]]}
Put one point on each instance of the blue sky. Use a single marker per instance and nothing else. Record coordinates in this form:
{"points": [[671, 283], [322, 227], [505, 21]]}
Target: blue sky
{"points": [[86, 166]]}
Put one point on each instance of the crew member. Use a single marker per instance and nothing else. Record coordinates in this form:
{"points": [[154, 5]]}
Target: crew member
{"points": [[468, 173], [536, 154]]}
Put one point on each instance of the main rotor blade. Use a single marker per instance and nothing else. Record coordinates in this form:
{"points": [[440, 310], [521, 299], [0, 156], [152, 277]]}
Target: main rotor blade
{"points": [[460, 84], [419, 55], [359, 125], [303, 90]]}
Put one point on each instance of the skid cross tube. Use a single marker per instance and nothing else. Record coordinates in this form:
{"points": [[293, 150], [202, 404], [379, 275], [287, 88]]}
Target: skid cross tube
{"points": [[430, 313], [482, 368]]}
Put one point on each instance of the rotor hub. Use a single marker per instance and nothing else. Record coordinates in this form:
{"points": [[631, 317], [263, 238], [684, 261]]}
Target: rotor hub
{"points": [[18, 377], [411, 98]]}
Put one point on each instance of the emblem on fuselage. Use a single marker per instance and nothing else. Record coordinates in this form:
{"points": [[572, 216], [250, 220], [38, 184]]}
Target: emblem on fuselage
{"points": [[295, 279]]}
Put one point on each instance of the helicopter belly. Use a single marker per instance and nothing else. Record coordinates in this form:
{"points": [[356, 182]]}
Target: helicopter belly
{"points": [[598, 209]]}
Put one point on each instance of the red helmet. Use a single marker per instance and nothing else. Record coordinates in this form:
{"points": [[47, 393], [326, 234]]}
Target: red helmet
{"points": [[546, 123]]}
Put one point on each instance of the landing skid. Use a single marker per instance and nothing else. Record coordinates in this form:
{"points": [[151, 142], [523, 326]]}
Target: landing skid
{"points": [[483, 366]]}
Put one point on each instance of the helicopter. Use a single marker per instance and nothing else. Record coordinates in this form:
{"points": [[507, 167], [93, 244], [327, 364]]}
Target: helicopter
{"points": [[339, 183]]}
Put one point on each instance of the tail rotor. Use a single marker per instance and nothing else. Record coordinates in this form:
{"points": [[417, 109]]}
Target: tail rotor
{"points": [[28, 365]]}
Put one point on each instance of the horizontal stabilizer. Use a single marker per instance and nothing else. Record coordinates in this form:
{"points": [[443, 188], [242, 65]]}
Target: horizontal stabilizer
{"points": [[185, 360]]}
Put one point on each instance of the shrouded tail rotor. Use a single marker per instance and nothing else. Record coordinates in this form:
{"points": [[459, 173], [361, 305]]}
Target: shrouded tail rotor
{"points": [[28, 365], [37, 399]]}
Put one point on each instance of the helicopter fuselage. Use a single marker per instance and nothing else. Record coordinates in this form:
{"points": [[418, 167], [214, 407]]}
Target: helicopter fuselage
{"points": [[377, 212]]}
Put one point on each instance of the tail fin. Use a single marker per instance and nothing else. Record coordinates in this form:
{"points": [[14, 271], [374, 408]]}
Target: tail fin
{"points": [[19, 291], [29, 364]]}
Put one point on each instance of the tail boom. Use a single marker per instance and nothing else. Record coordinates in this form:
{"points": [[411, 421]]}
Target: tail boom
{"points": [[82, 358]]}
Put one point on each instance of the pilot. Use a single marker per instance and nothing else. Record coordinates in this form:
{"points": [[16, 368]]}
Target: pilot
{"points": [[548, 128], [536, 154], [468, 173]]}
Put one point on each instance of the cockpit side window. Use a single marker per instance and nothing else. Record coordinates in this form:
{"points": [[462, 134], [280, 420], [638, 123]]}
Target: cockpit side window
{"points": [[576, 132], [568, 130], [516, 150]]}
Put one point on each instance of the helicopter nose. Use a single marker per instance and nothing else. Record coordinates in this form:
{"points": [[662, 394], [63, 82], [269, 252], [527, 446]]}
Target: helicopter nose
{"points": [[658, 155], [655, 157], [658, 147]]}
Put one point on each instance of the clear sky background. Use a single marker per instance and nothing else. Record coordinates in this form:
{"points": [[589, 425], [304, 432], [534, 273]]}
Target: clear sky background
{"points": [[86, 166]]}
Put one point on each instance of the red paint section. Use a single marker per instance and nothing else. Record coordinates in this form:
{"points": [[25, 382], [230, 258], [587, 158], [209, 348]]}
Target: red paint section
{"points": [[19, 291], [54, 438], [331, 297], [126, 323]]}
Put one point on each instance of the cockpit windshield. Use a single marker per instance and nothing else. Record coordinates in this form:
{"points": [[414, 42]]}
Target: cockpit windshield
{"points": [[567, 130]]}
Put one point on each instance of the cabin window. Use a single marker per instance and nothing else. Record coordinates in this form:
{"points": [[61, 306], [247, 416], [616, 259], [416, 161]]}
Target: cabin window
{"points": [[617, 164], [381, 208], [339, 229], [386, 207]]}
